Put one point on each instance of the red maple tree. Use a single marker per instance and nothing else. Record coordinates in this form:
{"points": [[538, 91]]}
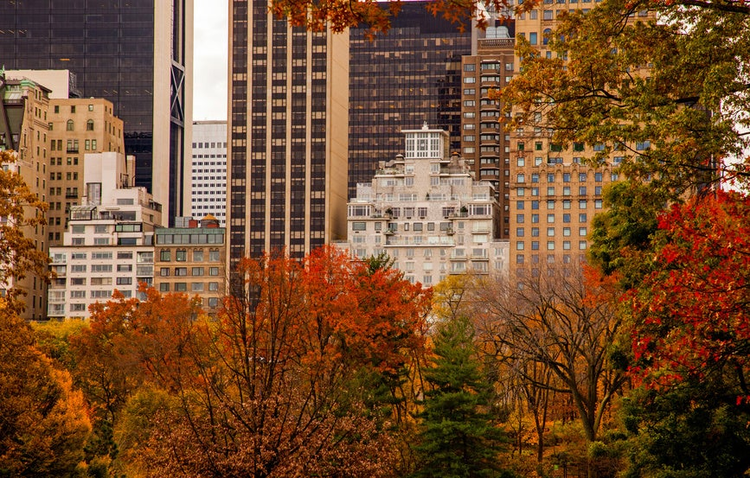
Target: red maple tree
{"points": [[692, 313]]}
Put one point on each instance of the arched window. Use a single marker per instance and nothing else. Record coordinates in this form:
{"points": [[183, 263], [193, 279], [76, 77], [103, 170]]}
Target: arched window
{"points": [[545, 35], [90, 125], [69, 125]]}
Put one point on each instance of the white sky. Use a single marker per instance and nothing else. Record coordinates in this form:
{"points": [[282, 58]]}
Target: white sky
{"points": [[210, 60]]}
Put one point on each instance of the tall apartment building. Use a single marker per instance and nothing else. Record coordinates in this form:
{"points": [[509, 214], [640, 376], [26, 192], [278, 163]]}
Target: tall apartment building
{"points": [[553, 195], [24, 129], [136, 54], [485, 145], [109, 240], [77, 127], [209, 195], [424, 210], [403, 78], [288, 134], [191, 259]]}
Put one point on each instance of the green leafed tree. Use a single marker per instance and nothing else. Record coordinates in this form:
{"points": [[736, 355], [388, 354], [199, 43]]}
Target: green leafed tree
{"points": [[458, 437], [663, 84]]}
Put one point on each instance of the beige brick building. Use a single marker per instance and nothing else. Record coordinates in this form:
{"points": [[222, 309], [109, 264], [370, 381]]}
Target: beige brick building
{"points": [[553, 195], [24, 129], [191, 259], [485, 146], [76, 127]]}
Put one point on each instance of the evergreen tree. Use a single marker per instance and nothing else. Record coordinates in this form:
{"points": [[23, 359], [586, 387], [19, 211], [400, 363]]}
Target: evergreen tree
{"points": [[457, 437]]}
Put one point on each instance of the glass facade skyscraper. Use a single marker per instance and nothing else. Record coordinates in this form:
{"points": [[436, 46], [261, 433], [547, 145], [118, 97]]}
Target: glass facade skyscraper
{"points": [[402, 79], [136, 54], [288, 134]]}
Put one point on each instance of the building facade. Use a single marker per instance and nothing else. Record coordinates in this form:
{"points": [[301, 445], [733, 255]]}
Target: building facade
{"points": [[109, 242], [424, 210], [399, 80], [554, 195], [485, 145], [191, 260], [209, 170], [136, 54], [77, 127], [287, 155], [24, 128]]}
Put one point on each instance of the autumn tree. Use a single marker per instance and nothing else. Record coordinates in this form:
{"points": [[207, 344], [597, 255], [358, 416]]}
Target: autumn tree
{"points": [[339, 14], [563, 323], [20, 209], [690, 326], [660, 83], [43, 419], [279, 385]]}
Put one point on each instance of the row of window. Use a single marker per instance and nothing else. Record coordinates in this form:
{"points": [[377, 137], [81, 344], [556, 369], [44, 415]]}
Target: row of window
{"points": [[183, 287], [566, 245], [566, 177], [210, 145], [551, 218], [566, 231], [183, 271], [181, 255], [566, 191]]}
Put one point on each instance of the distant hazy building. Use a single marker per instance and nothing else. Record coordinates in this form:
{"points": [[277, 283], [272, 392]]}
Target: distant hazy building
{"points": [[77, 127], [136, 54], [109, 241], [424, 210], [288, 124], [403, 78], [24, 129], [209, 176], [191, 259]]}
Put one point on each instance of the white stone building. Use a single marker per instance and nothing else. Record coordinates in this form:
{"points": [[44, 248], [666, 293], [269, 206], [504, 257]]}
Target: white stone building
{"points": [[108, 243], [209, 179], [427, 213]]}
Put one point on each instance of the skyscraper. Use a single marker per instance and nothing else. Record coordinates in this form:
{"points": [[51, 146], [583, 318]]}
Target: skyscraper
{"points": [[485, 145], [136, 54], [288, 128], [402, 79], [209, 194]]}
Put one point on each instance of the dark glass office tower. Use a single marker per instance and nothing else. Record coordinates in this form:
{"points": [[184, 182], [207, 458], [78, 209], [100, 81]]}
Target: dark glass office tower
{"points": [[400, 80], [288, 134], [136, 54]]}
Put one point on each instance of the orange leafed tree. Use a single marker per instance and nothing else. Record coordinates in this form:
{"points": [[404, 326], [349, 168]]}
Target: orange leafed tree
{"points": [[281, 383]]}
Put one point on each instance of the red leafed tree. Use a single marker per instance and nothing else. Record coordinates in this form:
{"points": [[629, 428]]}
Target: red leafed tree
{"points": [[692, 314], [281, 384]]}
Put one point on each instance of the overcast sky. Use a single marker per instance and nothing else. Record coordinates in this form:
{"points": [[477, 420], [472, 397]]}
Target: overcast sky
{"points": [[210, 60]]}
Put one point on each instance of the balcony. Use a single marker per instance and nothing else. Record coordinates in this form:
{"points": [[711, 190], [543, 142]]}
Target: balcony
{"points": [[72, 149], [71, 195]]}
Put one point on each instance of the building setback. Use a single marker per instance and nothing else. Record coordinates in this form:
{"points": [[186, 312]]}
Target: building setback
{"points": [[78, 127], [424, 210], [403, 78], [288, 134], [209, 195], [109, 241], [135, 53]]}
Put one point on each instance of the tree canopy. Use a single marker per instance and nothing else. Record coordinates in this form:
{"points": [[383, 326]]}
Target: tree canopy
{"points": [[661, 84]]}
